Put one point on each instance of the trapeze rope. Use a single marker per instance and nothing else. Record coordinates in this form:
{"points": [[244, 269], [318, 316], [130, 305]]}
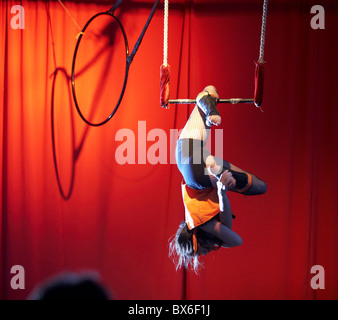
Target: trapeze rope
{"points": [[260, 69], [165, 37], [262, 46], [165, 68]]}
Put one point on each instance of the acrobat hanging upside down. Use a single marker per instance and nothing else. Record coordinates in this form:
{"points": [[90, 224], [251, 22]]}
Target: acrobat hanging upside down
{"points": [[208, 214]]}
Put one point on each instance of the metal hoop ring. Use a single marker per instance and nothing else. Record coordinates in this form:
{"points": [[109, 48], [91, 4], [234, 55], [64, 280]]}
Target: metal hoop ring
{"points": [[108, 13]]}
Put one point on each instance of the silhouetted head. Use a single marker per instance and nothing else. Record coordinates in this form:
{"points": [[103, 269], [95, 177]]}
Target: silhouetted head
{"points": [[70, 286]]}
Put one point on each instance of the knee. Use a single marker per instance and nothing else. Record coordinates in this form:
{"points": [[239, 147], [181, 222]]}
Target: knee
{"points": [[237, 241], [263, 188], [210, 161]]}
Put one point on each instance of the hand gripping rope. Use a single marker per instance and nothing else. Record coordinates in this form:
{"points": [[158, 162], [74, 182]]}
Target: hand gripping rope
{"points": [[129, 57], [165, 69]]}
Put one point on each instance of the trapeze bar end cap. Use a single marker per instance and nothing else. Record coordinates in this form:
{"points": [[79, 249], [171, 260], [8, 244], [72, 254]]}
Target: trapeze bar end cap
{"points": [[258, 103]]}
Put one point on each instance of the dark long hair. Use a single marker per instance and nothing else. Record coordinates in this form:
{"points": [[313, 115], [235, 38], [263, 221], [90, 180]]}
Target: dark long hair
{"points": [[181, 247]]}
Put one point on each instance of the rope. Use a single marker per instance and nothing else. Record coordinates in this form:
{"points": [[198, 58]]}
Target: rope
{"points": [[63, 6], [165, 38], [261, 50]]}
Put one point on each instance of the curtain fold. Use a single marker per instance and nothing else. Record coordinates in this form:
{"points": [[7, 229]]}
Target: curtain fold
{"points": [[3, 63]]}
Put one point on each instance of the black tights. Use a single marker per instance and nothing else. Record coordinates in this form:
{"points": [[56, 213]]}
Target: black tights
{"points": [[191, 157]]}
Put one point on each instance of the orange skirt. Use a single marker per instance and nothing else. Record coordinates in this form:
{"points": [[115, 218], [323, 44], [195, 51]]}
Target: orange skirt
{"points": [[200, 205]]}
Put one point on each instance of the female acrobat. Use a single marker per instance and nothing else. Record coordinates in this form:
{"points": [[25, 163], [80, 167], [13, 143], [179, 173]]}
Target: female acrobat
{"points": [[207, 179]]}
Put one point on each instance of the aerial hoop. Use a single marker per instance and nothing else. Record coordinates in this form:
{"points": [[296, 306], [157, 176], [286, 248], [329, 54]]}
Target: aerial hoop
{"points": [[129, 57], [110, 14]]}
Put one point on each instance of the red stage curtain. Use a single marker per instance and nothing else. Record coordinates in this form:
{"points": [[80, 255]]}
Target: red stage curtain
{"points": [[67, 203]]}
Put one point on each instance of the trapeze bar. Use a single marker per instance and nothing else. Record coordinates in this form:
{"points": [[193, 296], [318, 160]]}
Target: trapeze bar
{"points": [[192, 101]]}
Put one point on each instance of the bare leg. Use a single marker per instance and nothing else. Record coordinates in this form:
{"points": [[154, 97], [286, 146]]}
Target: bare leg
{"points": [[198, 125]]}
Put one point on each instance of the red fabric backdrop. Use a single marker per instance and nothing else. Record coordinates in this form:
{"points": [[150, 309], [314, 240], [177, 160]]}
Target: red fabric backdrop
{"points": [[68, 205]]}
